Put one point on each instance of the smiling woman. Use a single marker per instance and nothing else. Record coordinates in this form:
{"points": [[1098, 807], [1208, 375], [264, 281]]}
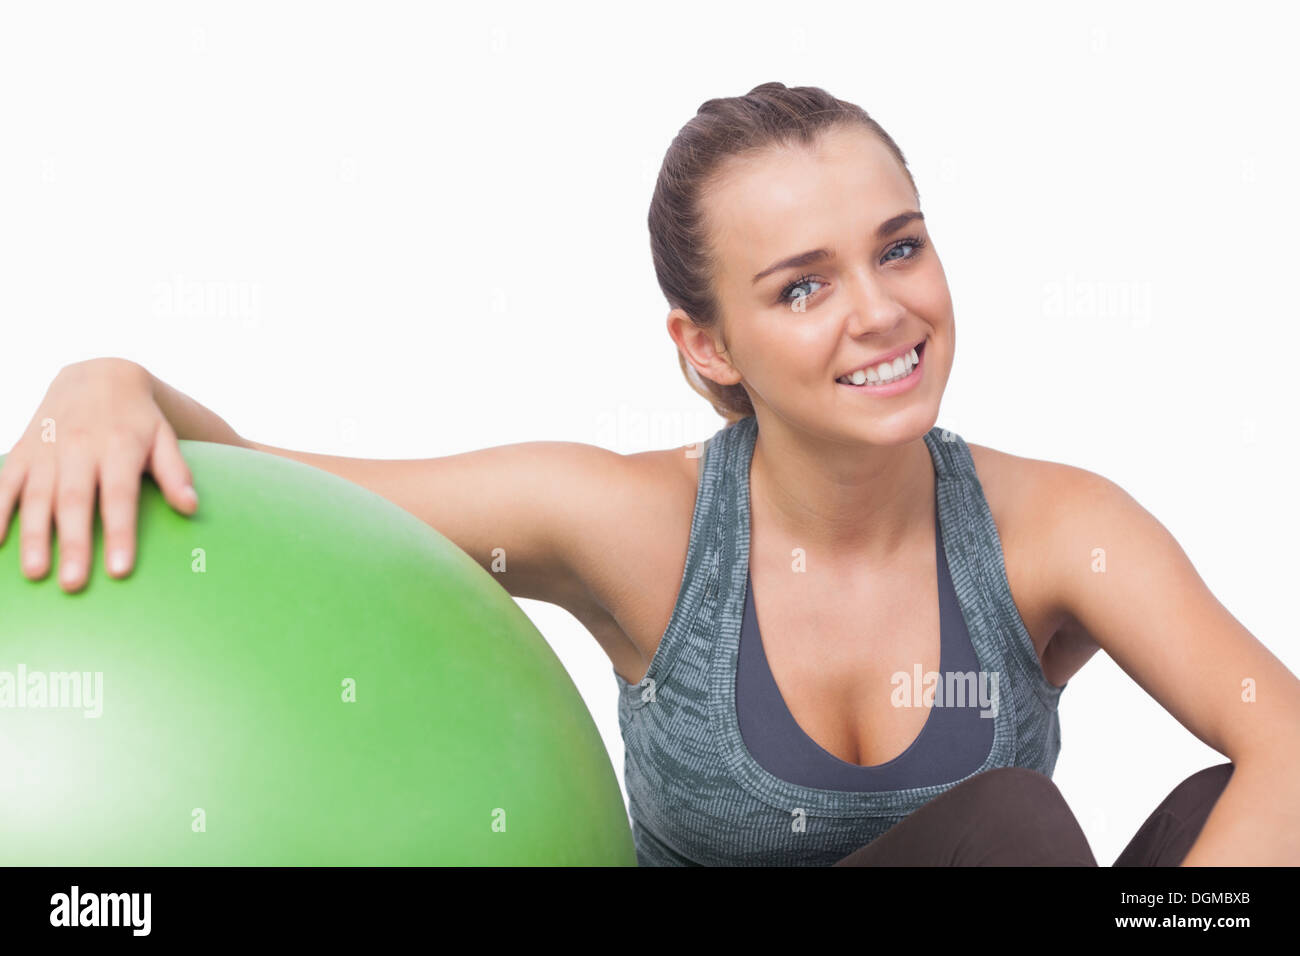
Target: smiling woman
{"points": [[762, 598], [723, 133], [839, 538]]}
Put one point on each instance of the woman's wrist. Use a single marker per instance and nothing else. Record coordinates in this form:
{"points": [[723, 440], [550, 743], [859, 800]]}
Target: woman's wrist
{"points": [[189, 419]]}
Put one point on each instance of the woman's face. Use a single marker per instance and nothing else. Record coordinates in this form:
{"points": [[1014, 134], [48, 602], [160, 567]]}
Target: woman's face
{"points": [[793, 329]]}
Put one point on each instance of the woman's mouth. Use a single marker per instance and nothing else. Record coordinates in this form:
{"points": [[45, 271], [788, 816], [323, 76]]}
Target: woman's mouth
{"points": [[888, 378]]}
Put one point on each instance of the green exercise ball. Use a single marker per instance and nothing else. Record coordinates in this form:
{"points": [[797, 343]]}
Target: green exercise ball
{"points": [[302, 673]]}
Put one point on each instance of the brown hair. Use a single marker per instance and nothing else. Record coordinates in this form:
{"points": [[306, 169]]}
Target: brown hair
{"points": [[768, 115]]}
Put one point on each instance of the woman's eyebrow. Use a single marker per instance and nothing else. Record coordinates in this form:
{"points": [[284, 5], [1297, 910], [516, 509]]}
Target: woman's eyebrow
{"points": [[886, 228]]}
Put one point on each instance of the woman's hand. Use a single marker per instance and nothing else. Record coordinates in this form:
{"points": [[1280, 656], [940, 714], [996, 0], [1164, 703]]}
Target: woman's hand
{"points": [[98, 427]]}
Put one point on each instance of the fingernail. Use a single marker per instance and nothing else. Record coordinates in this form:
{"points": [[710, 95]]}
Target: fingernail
{"points": [[117, 561], [71, 570], [32, 560], [189, 492]]}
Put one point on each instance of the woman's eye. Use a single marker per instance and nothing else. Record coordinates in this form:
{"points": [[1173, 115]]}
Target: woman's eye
{"points": [[793, 292], [797, 285], [913, 243]]}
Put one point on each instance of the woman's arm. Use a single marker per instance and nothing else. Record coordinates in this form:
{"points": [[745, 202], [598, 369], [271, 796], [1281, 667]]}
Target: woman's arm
{"points": [[545, 507], [1120, 575], [533, 514], [188, 418], [531, 504]]}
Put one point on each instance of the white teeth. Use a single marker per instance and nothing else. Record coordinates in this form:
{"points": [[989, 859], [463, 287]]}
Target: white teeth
{"points": [[885, 372]]}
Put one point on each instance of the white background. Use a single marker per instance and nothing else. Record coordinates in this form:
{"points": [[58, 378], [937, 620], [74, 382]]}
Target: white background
{"points": [[404, 230]]}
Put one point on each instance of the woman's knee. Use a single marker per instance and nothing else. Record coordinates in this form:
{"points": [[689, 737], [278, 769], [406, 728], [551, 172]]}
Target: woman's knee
{"points": [[1201, 788], [1000, 783], [1171, 828], [1192, 800], [1010, 791], [1008, 816], [1024, 819]]}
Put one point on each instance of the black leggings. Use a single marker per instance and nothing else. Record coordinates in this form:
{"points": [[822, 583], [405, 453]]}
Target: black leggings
{"points": [[1012, 816]]}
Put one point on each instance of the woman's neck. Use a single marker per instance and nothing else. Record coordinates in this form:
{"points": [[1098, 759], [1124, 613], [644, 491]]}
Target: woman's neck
{"points": [[863, 503]]}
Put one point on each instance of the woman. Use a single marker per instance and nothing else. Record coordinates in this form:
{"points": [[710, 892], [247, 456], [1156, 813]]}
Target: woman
{"points": [[860, 658]]}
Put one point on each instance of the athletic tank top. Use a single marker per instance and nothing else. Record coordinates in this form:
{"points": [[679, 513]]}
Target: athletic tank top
{"points": [[955, 739], [696, 794]]}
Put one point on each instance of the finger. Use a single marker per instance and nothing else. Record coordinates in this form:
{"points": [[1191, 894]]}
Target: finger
{"points": [[74, 515], [170, 471], [34, 519], [11, 483], [119, 499]]}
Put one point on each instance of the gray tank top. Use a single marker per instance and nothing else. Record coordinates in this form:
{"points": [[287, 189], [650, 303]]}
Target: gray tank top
{"points": [[955, 739], [696, 794]]}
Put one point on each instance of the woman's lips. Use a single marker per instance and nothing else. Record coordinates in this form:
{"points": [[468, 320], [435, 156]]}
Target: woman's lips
{"points": [[898, 385], [889, 357]]}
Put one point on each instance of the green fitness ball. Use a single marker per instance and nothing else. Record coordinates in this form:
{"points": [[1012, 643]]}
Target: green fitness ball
{"points": [[302, 673]]}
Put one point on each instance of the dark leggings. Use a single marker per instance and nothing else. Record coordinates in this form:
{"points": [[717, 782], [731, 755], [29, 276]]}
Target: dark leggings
{"points": [[1011, 816]]}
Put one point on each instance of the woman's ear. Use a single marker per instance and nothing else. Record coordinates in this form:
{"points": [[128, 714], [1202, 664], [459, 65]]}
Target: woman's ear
{"points": [[702, 349]]}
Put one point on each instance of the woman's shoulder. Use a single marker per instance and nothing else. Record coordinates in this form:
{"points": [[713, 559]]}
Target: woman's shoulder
{"points": [[1022, 493], [1008, 478], [1004, 476], [1028, 499], [1016, 485], [633, 560]]}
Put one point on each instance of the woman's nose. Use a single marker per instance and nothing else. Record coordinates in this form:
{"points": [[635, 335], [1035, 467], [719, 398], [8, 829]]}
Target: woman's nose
{"points": [[872, 305]]}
